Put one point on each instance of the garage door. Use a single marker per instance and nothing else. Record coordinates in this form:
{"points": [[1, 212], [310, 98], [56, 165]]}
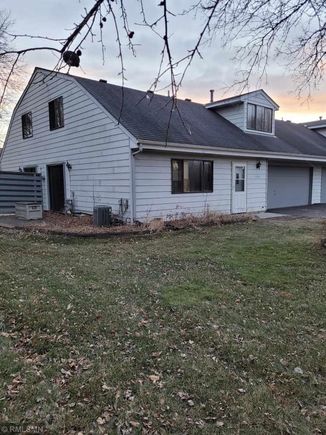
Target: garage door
{"points": [[323, 185], [288, 186]]}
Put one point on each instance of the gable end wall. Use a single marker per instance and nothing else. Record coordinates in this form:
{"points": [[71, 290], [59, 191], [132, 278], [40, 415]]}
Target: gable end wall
{"points": [[97, 148]]}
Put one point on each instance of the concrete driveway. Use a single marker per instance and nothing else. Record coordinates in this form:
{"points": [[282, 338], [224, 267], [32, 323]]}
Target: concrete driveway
{"points": [[317, 211]]}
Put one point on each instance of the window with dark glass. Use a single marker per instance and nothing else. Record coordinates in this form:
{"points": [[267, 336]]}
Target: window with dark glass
{"points": [[56, 113], [190, 176], [31, 169], [259, 118], [239, 181], [27, 125]]}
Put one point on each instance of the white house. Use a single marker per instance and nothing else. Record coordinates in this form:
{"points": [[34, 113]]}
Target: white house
{"points": [[318, 126], [100, 144]]}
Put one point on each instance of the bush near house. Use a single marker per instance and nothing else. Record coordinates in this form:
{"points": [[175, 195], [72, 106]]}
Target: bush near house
{"points": [[218, 330]]}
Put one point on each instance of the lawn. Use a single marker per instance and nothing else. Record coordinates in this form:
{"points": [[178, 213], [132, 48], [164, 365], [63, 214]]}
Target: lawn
{"points": [[218, 330]]}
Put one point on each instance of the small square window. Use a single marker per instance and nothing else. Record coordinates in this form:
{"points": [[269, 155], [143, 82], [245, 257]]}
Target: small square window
{"points": [[27, 125], [56, 118], [30, 169]]}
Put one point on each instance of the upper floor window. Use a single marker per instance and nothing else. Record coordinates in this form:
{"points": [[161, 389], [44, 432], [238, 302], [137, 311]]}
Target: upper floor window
{"points": [[259, 118], [27, 125], [56, 113], [190, 176]]}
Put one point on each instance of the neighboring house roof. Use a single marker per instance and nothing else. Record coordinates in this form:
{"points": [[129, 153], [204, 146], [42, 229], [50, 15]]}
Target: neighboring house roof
{"points": [[321, 123], [147, 118]]}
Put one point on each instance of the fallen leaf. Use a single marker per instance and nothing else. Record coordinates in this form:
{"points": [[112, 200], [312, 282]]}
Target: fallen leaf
{"points": [[100, 421], [298, 370], [154, 378]]}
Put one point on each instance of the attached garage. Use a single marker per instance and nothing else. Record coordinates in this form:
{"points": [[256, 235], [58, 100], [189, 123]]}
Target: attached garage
{"points": [[288, 186], [323, 186]]}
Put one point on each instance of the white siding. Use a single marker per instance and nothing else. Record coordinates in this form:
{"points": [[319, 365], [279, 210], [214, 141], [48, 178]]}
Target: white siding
{"points": [[256, 186], [316, 185], [258, 98], [234, 114], [91, 141], [321, 131], [153, 188]]}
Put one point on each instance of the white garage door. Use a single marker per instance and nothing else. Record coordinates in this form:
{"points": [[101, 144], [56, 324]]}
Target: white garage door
{"points": [[288, 186], [323, 185]]}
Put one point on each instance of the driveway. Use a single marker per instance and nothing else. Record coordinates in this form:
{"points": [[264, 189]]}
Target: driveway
{"points": [[308, 211]]}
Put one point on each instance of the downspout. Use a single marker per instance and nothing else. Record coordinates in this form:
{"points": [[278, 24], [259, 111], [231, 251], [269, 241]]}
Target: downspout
{"points": [[133, 182]]}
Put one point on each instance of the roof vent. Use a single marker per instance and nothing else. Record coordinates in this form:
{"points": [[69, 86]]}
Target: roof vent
{"points": [[320, 118], [212, 95], [103, 81], [187, 99]]}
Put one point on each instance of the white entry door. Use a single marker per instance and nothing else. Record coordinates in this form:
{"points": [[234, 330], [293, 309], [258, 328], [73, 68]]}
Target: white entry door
{"points": [[239, 187]]}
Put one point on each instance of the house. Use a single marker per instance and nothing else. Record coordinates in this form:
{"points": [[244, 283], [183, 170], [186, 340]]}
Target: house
{"points": [[99, 144], [318, 126]]}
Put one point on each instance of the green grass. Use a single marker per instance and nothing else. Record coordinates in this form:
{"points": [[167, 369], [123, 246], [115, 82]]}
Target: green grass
{"points": [[190, 332]]}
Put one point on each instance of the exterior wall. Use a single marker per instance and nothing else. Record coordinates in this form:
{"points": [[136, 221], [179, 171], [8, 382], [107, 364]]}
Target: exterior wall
{"points": [[323, 186], [258, 98], [316, 185], [321, 131], [234, 114], [153, 197], [91, 141], [256, 186]]}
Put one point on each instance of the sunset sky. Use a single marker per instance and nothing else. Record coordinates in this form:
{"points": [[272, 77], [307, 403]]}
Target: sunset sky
{"points": [[216, 70]]}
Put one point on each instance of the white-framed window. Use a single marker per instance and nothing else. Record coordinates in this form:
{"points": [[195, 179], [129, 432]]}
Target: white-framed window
{"points": [[259, 118]]}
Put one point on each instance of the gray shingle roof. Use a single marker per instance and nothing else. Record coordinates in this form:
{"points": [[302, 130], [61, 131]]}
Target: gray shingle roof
{"points": [[318, 123], [148, 118]]}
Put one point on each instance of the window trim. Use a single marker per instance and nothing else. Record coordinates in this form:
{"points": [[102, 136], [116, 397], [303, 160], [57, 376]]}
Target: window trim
{"points": [[182, 175], [53, 127], [255, 129], [27, 171], [22, 117]]}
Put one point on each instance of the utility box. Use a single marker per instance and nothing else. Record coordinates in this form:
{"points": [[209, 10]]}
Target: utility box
{"points": [[102, 216], [28, 210]]}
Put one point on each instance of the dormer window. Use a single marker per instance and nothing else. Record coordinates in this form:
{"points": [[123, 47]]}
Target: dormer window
{"points": [[259, 118]]}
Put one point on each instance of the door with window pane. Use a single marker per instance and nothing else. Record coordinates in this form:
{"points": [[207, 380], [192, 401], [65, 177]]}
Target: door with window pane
{"points": [[239, 188]]}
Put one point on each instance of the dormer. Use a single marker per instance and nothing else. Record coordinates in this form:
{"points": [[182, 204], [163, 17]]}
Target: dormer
{"points": [[253, 112]]}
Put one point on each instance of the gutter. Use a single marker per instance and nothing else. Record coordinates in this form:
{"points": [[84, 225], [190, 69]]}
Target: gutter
{"points": [[145, 145]]}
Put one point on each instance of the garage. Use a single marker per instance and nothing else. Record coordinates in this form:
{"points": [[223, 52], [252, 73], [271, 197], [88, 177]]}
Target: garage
{"points": [[323, 186], [289, 186]]}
